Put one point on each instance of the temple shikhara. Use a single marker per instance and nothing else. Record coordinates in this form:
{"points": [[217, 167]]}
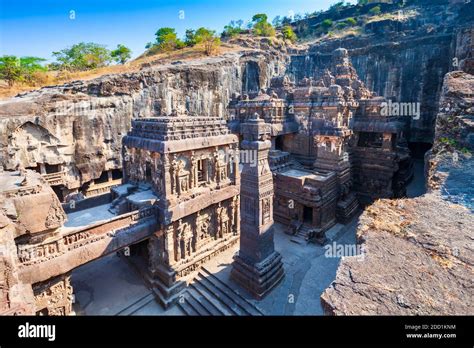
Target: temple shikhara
{"points": [[305, 153]]}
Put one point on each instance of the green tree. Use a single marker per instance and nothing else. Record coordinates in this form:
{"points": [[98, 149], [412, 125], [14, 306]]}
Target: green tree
{"points": [[362, 2], [24, 69], [167, 39], [234, 28], [285, 20], [288, 33], [337, 6], [30, 67], [208, 39], [121, 54], [260, 17], [190, 38], [10, 69], [277, 21], [83, 56], [261, 27], [375, 10]]}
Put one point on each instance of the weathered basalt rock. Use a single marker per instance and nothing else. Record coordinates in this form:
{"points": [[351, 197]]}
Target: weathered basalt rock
{"points": [[417, 261]]}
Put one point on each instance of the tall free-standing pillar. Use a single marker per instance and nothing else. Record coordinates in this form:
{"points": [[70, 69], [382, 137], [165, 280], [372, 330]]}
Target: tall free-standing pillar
{"points": [[257, 267]]}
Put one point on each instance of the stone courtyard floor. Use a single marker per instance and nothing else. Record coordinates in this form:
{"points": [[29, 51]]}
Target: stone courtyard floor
{"points": [[111, 286]]}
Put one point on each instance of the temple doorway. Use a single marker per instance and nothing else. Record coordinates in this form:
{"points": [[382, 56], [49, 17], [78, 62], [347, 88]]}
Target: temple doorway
{"points": [[279, 143], [308, 215]]}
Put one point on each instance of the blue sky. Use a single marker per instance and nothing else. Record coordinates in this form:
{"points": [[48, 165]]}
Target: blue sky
{"points": [[37, 28]]}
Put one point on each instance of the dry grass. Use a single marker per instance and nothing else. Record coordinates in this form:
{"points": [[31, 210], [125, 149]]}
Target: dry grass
{"points": [[55, 78]]}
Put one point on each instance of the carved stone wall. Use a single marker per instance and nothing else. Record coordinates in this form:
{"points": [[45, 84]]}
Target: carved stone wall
{"points": [[54, 297]]}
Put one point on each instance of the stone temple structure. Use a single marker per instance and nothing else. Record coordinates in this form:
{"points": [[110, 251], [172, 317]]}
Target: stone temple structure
{"points": [[185, 166], [331, 146], [257, 267]]}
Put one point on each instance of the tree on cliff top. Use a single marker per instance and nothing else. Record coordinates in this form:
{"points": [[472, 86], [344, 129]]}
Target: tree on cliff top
{"points": [[82, 56], [261, 27], [167, 40], [234, 28], [208, 39], [121, 54], [375, 10], [24, 69], [10, 70]]}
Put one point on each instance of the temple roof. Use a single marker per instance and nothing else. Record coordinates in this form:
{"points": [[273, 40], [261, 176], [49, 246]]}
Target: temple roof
{"points": [[178, 127]]}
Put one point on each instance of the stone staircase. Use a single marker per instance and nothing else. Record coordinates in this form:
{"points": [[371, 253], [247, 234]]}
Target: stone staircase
{"points": [[208, 295], [301, 235], [137, 305]]}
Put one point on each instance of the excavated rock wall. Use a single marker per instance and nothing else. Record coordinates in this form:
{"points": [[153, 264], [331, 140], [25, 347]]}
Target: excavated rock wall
{"points": [[81, 124], [404, 60], [417, 256]]}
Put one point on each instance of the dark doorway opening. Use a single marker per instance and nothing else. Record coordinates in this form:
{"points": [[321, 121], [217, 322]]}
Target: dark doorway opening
{"points": [[36, 169], [418, 149], [58, 190], [367, 139], [148, 172], [139, 249], [52, 168], [116, 174], [308, 215], [104, 177], [279, 143]]}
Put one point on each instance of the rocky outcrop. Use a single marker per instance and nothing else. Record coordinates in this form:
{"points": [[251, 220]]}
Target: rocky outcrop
{"points": [[418, 260], [450, 164], [29, 212]]}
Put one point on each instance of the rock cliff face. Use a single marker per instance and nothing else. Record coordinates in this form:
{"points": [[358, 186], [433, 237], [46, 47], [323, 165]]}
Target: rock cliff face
{"points": [[418, 252], [404, 59], [79, 126]]}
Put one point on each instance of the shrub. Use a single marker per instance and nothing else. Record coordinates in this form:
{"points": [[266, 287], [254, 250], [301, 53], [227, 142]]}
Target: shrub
{"points": [[351, 21], [341, 25], [208, 39], [326, 24], [375, 10], [288, 33]]}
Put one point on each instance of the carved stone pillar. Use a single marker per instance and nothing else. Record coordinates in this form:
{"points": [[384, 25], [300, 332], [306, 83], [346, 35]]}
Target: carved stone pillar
{"points": [[170, 256], [257, 267], [193, 169]]}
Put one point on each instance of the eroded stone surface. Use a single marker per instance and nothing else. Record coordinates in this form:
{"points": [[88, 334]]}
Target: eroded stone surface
{"points": [[418, 260]]}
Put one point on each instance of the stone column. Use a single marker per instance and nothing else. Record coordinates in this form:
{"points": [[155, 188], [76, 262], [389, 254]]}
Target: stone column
{"points": [[257, 267], [235, 163]]}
